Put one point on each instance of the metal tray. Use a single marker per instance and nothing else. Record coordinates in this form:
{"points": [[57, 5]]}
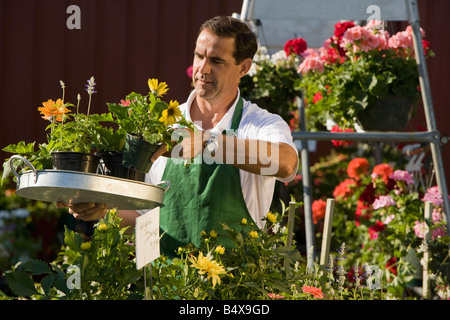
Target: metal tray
{"points": [[73, 187]]}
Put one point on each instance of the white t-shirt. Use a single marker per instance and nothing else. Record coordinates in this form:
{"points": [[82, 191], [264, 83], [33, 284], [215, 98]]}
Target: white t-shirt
{"points": [[256, 123]]}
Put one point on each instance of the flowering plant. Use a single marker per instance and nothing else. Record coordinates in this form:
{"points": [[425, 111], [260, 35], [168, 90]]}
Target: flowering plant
{"points": [[356, 67], [147, 116], [270, 83], [382, 210]]}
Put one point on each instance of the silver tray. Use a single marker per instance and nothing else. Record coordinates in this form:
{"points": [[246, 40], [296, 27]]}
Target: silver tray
{"points": [[73, 187]]}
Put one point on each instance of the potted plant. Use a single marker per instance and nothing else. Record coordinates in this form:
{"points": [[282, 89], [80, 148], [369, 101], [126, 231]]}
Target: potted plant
{"points": [[149, 122], [70, 140], [358, 70], [270, 83]]}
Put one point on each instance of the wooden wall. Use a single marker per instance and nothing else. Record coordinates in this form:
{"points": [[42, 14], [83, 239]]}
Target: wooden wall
{"points": [[122, 44]]}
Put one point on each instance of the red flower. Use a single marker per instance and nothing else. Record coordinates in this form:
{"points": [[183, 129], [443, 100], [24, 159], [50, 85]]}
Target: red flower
{"points": [[344, 189], [338, 143], [390, 265], [426, 46], [296, 46], [374, 229], [318, 210], [382, 170], [357, 167], [363, 211], [317, 97], [341, 27]]}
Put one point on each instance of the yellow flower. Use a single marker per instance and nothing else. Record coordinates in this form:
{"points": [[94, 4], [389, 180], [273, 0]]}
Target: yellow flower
{"points": [[213, 234], [271, 217], [253, 234], [170, 115], [157, 88], [219, 250], [53, 110], [209, 267], [244, 221], [102, 227], [85, 246]]}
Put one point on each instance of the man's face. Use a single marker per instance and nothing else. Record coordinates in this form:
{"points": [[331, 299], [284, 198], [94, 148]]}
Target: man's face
{"points": [[215, 73]]}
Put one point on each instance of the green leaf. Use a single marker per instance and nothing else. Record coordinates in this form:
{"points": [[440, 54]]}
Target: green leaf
{"points": [[72, 239], [21, 284], [36, 267]]}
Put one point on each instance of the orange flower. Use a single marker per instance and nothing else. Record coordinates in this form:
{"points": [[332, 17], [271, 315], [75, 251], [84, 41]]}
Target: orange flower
{"points": [[382, 170], [316, 292], [53, 110], [344, 189], [357, 167], [318, 209]]}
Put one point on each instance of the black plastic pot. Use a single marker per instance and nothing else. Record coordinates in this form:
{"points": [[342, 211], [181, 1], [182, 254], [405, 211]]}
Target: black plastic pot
{"points": [[111, 165], [74, 161], [392, 113], [137, 153]]}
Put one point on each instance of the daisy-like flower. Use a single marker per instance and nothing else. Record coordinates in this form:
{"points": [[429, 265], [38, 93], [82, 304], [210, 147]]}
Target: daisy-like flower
{"points": [[157, 88], [53, 111], [171, 114], [206, 265], [316, 292]]}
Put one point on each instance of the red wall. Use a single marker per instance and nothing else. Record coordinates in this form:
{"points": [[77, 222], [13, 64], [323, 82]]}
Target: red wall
{"points": [[122, 44]]}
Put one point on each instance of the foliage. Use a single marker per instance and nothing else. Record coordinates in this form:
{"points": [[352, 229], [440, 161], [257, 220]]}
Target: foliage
{"points": [[68, 131], [379, 215], [147, 116], [260, 267], [270, 83], [355, 68], [22, 226]]}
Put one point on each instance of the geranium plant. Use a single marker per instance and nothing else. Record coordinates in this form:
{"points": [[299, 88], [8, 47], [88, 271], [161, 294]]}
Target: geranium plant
{"points": [[379, 214], [356, 67], [148, 117]]}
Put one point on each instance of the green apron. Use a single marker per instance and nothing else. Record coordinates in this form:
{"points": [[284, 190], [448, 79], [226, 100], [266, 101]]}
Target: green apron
{"points": [[201, 197]]}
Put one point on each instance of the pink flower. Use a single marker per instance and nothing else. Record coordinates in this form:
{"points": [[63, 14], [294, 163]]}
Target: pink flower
{"points": [[436, 216], [275, 296], [189, 71], [311, 62], [438, 232], [383, 201], [125, 103], [433, 195], [402, 175], [420, 229], [389, 218]]}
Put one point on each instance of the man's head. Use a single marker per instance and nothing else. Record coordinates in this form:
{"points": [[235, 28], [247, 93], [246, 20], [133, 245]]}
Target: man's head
{"points": [[223, 55], [245, 40]]}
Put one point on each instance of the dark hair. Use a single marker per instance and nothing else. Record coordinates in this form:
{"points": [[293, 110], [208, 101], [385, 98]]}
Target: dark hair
{"points": [[244, 39]]}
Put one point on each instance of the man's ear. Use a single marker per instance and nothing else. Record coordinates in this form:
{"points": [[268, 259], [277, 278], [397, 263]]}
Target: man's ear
{"points": [[245, 66]]}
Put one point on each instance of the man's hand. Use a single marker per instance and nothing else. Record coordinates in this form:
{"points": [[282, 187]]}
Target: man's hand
{"points": [[85, 211], [190, 146]]}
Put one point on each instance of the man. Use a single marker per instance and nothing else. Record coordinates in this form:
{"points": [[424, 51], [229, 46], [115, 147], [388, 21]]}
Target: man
{"points": [[239, 149]]}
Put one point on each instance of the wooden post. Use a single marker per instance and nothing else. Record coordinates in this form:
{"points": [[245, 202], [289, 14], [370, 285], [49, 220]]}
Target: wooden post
{"points": [[290, 231], [426, 253], [326, 239]]}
